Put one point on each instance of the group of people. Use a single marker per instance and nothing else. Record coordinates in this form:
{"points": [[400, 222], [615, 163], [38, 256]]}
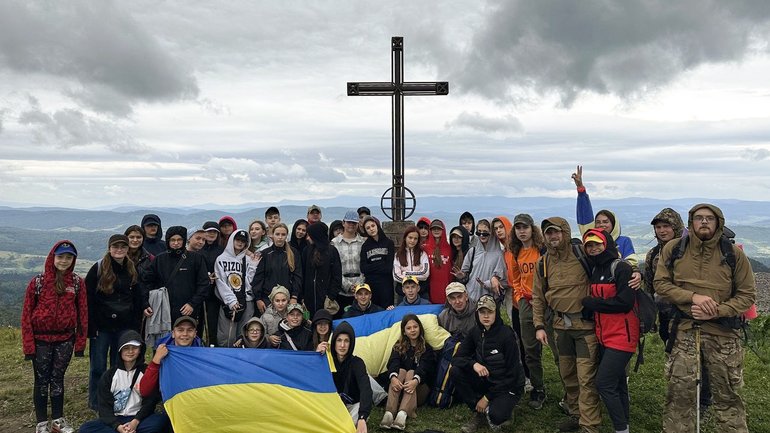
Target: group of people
{"points": [[267, 287]]}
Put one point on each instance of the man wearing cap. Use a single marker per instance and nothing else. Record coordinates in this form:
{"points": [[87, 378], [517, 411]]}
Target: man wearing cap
{"points": [[709, 296], [363, 304], [153, 234], [348, 245], [558, 292], [183, 334], [458, 317], [313, 214], [210, 251], [411, 287], [183, 275], [487, 370]]}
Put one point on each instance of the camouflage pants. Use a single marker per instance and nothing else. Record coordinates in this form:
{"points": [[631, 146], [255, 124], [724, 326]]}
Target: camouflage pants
{"points": [[578, 360], [723, 358]]}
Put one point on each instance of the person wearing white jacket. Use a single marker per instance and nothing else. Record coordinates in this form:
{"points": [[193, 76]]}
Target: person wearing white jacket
{"points": [[234, 270]]}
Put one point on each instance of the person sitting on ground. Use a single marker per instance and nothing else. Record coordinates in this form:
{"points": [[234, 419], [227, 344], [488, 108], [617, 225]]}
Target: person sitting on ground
{"points": [[275, 314], [294, 334], [350, 378], [487, 370], [322, 330], [183, 334], [120, 407], [458, 316], [363, 304], [253, 335], [411, 287], [410, 367]]}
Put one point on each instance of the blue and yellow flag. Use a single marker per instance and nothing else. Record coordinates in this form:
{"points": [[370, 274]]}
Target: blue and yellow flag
{"points": [[250, 390], [377, 333]]}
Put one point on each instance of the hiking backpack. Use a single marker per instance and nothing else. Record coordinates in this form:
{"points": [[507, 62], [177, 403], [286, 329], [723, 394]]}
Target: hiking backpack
{"points": [[441, 394]]}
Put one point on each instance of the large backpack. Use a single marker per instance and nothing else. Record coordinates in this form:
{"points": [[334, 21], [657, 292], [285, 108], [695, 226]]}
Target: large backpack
{"points": [[441, 395]]}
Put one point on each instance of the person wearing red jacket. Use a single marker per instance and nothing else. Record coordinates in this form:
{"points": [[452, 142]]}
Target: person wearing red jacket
{"points": [[617, 326], [440, 254], [54, 323]]}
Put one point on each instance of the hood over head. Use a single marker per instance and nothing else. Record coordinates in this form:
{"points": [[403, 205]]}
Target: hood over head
{"points": [[672, 217], [423, 220], [322, 314], [245, 332], [336, 224], [124, 338], [49, 266], [173, 231], [466, 237], [718, 212], [152, 218], [230, 247], [564, 245], [466, 215], [610, 247], [613, 219], [506, 223], [343, 328], [228, 218]]}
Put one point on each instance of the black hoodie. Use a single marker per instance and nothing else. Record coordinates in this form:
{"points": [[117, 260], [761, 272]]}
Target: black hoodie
{"points": [[107, 399], [298, 243], [324, 278], [154, 245], [377, 265], [351, 379], [496, 349], [190, 284]]}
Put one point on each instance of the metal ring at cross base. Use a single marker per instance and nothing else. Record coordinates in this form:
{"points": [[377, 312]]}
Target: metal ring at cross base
{"points": [[410, 202]]}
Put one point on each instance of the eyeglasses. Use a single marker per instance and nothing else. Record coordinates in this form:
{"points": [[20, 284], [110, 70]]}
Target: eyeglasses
{"points": [[701, 218], [256, 330], [482, 233]]}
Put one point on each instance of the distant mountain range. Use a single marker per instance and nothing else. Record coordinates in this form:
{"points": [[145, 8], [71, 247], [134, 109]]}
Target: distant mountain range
{"points": [[31, 230]]}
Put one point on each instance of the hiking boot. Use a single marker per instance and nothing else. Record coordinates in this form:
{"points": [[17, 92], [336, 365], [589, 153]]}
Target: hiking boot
{"points": [[564, 407], [569, 424], [498, 427], [400, 422], [536, 399], [528, 386], [474, 424], [60, 425], [42, 427], [387, 420]]}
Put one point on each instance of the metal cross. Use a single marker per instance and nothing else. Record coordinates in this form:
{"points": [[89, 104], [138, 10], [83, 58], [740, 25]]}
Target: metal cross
{"points": [[397, 89]]}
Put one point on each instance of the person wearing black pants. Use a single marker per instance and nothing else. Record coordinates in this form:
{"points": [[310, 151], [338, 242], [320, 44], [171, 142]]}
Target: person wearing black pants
{"points": [[612, 385], [487, 369]]}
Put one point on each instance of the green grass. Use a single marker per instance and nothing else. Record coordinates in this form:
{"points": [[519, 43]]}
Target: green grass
{"points": [[647, 393]]}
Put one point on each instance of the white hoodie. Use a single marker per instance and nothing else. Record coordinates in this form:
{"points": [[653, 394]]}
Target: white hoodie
{"points": [[229, 273]]}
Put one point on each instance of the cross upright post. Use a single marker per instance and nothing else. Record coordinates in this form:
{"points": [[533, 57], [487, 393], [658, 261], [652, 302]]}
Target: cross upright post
{"points": [[397, 89]]}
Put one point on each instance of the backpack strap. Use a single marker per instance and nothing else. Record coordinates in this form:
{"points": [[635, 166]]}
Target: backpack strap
{"points": [[542, 271], [577, 250]]}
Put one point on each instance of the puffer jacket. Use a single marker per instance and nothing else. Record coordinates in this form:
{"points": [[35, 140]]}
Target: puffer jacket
{"points": [[701, 270], [567, 283]]}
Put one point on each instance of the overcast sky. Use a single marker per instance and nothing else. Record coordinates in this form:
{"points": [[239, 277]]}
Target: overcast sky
{"points": [[177, 103]]}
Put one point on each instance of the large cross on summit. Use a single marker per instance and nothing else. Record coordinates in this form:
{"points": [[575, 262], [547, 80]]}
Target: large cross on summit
{"points": [[397, 89]]}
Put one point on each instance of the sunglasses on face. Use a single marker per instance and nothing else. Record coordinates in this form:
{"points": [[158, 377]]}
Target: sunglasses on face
{"points": [[482, 233]]}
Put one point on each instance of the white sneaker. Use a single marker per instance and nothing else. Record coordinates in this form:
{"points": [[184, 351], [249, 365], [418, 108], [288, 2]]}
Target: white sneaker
{"points": [[387, 420], [400, 422], [60, 425], [42, 427]]}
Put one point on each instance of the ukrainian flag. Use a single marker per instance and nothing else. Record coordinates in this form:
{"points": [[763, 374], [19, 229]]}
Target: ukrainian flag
{"points": [[377, 333], [250, 390]]}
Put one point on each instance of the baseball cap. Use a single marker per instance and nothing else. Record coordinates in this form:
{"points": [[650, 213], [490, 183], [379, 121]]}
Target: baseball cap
{"points": [[350, 217], [551, 226], [242, 235], [183, 319], [523, 218], [411, 278], [66, 248], [117, 239], [594, 236], [130, 343], [364, 209], [210, 226], [362, 286], [293, 307], [313, 208], [436, 223], [151, 219], [457, 232], [455, 287], [487, 302]]}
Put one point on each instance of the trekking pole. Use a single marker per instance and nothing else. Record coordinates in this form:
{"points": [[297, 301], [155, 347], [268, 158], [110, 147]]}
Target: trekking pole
{"points": [[230, 331], [698, 378]]}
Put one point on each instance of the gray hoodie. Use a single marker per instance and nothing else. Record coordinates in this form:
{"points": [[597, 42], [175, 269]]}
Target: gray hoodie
{"points": [[230, 273]]}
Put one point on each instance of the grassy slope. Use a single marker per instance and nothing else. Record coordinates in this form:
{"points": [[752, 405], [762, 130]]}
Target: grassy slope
{"points": [[647, 392]]}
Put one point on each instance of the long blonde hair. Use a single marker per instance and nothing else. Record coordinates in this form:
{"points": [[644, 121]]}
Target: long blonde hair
{"points": [[286, 246]]}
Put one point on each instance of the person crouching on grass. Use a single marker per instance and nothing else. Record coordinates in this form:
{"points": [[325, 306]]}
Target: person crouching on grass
{"points": [[488, 374], [410, 366]]}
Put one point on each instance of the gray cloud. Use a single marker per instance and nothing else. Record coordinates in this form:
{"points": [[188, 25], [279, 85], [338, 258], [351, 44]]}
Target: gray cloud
{"points": [[70, 127], [755, 154], [96, 44], [623, 48], [239, 171], [506, 125]]}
